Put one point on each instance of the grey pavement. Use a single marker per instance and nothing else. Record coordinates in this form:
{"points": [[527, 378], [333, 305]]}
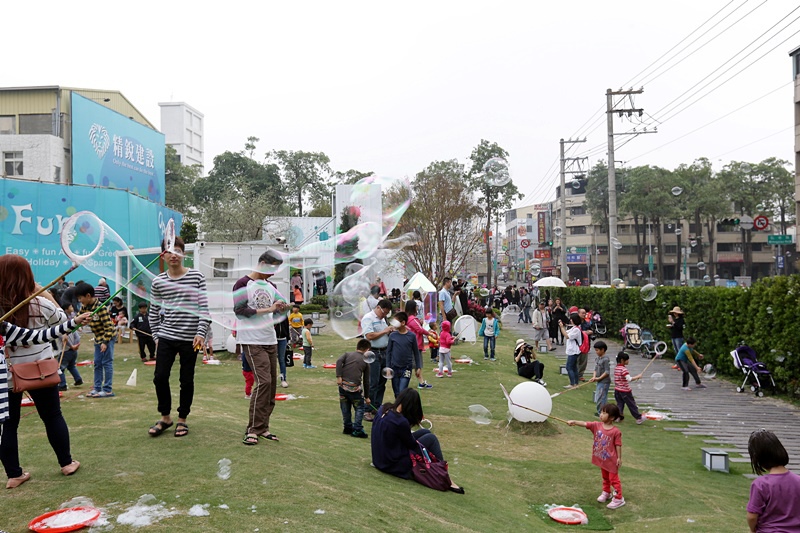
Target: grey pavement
{"points": [[718, 412]]}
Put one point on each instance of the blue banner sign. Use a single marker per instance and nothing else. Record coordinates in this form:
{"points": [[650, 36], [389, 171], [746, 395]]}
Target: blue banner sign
{"points": [[32, 214], [576, 258], [112, 150]]}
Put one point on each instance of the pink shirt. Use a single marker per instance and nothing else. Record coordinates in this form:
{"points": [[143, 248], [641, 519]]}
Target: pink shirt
{"points": [[620, 382], [775, 498], [604, 449], [414, 325]]}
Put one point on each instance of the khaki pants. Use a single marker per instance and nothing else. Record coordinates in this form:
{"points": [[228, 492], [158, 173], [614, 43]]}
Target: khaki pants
{"points": [[264, 362]]}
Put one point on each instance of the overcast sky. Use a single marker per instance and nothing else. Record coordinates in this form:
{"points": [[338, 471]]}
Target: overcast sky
{"points": [[390, 87]]}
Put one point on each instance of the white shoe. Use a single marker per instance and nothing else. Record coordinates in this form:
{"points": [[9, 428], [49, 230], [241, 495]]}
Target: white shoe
{"points": [[616, 503], [284, 384], [604, 496]]}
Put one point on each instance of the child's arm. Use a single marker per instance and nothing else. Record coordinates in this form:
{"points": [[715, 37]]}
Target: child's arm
{"points": [[576, 423], [619, 455], [307, 334], [752, 521]]}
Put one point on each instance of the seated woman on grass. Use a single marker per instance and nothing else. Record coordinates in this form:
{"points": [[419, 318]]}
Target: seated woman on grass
{"points": [[392, 439]]}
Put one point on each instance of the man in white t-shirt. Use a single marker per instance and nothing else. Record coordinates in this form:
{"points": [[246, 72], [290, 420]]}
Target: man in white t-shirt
{"points": [[254, 301]]}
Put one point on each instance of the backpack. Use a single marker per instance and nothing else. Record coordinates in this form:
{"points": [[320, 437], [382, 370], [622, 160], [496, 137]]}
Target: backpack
{"points": [[585, 345]]}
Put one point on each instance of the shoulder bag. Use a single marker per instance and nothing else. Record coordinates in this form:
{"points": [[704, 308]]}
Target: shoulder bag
{"points": [[428, 470]]}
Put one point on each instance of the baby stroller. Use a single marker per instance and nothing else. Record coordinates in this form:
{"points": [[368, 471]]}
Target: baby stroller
{"points": [[745, 359], [598, 326], [652, 347], [633, 336]]}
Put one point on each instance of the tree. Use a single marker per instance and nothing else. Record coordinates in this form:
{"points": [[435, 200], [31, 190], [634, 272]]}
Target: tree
{"points": [[445, 218], [350, 177], [492, 199], [239, 196], [346, 249], [179, 179], [781, 185], [304, 174]]}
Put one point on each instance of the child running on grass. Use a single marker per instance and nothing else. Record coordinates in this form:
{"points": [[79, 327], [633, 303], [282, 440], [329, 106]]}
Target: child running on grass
{"points": [[622, 388], [308, 343], [775, 497], [446, 341], [607, 453]]}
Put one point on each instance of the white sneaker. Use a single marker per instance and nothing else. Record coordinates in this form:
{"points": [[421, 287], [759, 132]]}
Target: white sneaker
{"points": [[616, 503], [604, 496], [686, 388], [284, 384]]}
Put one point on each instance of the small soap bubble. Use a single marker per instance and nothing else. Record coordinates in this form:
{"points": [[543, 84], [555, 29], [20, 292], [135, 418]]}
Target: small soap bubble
{"points": [[617, 283], [387, 373], [707, 278], [616, 243], [678, 231], [639, 273], [693, 243], [769, 310], [536, 269], [701, 266], [558, 231], [676, 191], [746, 168], [576, 184], [479, 414], [648, 292], [369, 357], [657, 380]]}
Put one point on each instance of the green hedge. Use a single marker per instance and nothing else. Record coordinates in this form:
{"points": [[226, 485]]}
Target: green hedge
{"points": [[720, 318], [307, 309], [320, 300]]}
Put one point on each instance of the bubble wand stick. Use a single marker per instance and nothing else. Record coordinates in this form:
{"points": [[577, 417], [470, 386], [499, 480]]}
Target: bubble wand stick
{"points": [[573, 388], [37, 293]]}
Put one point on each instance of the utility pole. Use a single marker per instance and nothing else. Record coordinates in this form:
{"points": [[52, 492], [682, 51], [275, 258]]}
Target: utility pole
{"points": [[613, 265], [562, 220]]}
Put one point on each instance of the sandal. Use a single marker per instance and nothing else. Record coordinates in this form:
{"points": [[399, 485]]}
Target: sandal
{"points": [[250, 439], [269, 436], [158, 428], [457, 490], [181, 430]]}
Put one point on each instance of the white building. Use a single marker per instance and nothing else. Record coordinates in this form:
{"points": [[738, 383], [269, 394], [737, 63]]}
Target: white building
{"points": [[182, 126]]}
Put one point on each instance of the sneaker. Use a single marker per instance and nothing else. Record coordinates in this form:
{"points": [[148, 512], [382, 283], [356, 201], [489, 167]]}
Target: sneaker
{"points": [[425, 385], [62, 387], [448, 374], [439, 375], [284, 384], [685, 388], [604, 496], [79, 383], [640, 420], [485, 357], [616, 503], [553, 349], [621, 418], [311, 366], [700, 386], [246, 396], [567, 386], [359, 434], [347, 430], [492, 359], [103, 394]]}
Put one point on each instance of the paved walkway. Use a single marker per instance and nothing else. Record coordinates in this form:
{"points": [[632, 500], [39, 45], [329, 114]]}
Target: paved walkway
{"points": [[718, 412]]}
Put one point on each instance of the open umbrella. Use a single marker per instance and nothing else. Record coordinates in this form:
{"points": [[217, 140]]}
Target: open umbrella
{"points": [[550, 281]]}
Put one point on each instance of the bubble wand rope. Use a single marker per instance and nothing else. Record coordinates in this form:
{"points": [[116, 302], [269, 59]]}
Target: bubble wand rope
{"points": [[505, 393], [573, 388], [657, 356]]}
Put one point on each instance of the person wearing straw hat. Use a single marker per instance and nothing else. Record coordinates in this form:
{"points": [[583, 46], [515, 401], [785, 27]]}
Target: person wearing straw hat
{"points": [[676, 324]]}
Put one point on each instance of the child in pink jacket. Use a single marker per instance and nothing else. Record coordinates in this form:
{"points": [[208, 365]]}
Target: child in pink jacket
{"points": [[445, 342]]}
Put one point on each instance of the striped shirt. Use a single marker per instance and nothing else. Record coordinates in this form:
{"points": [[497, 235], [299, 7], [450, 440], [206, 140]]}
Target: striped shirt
{"points": [[42, 313], [16, 336], [101, 324], [622, 379], [179, 306]]}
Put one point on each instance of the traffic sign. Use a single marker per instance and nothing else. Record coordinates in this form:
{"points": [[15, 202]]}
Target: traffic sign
{"points": [[779, 239], [761, 222], [746, 222], [525, 243]]}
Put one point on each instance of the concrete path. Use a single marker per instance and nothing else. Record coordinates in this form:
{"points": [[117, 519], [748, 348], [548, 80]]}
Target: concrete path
{"points": [[718, 412]]}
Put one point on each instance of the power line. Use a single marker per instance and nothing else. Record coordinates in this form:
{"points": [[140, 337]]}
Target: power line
{"points": [[754, 142]]}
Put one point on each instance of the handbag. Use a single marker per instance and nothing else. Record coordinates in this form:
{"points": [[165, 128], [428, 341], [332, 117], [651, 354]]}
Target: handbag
{"points": [[451, 314], [34, 375], [428, 470], [289, 356]]}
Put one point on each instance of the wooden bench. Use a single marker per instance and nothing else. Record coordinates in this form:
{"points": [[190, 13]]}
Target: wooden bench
{"points": [[315, 328]]}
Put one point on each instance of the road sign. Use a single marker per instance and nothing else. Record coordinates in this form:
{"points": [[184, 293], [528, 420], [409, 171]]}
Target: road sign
{"points": [[525, 243], [746, 222], [779, 239], [761, 222], [780, 263]]}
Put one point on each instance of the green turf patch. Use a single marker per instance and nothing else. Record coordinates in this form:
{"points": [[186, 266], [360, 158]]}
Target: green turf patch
{"points": [[597, 522]]}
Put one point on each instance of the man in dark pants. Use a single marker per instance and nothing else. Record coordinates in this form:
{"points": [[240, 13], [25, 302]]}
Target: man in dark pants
{"points": [[141, 326], [376, 330]]}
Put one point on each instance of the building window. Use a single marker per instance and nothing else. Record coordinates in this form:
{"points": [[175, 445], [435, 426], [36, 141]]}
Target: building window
{"points": [[8, 125], [580, 210], [222, 267], [730, 247], [41, 124], [671, 249], [12, 163], [57, 174], [530, 215], [577, 230]]}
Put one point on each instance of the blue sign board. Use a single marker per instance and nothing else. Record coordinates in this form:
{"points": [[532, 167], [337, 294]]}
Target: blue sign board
{"points": [[32, 213], [576, 258], [112, 150], [780, 262]]}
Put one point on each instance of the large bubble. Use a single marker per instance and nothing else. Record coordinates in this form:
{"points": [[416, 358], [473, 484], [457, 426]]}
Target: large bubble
{"points": [[746, 168], [648, 292], [616, 243], [701, 266], [536, 269], [496, 172], [657, 380], [348, 301], [480, 415], [617, 283]]}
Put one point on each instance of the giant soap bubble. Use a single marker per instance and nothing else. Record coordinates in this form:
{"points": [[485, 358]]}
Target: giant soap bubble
{"points": [[533, 396], [496, 172]]}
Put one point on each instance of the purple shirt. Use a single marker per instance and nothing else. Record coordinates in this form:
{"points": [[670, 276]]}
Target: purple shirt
{"points": [[775, 498]]}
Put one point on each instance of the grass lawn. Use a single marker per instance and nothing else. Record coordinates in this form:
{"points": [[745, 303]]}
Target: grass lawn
{"points": [[507, 471]]}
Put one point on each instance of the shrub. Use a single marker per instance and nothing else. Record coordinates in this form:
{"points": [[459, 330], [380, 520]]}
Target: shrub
{"points": [[320, 300], [310, 308]]}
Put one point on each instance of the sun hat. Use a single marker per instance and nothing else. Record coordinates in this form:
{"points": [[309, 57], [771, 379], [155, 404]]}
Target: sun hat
{"points": [[677, 310], [519, 341]]}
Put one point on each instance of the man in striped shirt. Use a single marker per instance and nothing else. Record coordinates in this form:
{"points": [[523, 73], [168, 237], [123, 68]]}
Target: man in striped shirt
{"points": [[179, 320]]}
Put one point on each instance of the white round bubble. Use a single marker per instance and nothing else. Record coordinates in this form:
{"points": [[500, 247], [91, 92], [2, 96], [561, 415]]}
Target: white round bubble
{"points": [[769, 310], [369, 357], [511, 310], [657, 380], [573, 250], [496, 172], [639, 273], [676, 191], [536, 269], [701, 266], [558, 231], [693, 243], [648, 292], [479, 414], [706, 278], [387, 373], [709, 372], [746, 168], [533, 396], [678, 231], [616, 243], [716, 276], [576, 184], [617, 283]]}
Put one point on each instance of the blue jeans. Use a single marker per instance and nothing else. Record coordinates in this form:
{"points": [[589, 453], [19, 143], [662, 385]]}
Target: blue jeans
{"points": [[282, 357], [601, 394], [486, 342], [348, 400], [377, 383], [104, 367], [526, 315], [677, 343], [68, 363], [430, 441], [572, 369], [401, 379]]}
